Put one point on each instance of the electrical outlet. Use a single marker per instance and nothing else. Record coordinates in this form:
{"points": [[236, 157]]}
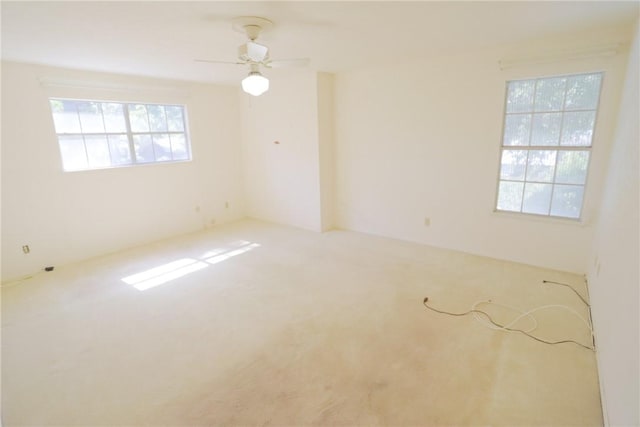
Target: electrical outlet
{"points": [[226, 205], [25, 249], [427, 221]]}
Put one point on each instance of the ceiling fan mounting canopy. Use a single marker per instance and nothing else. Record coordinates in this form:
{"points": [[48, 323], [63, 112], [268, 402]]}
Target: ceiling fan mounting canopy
{"points": [[252, 26]]}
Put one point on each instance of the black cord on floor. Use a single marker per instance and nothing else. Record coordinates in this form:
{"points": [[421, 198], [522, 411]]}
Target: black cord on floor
{"points": [[502, 326], [570, 287]]}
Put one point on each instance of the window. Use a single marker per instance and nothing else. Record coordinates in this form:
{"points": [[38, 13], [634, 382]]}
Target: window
{"points": [[96, 134], [546, 144]]}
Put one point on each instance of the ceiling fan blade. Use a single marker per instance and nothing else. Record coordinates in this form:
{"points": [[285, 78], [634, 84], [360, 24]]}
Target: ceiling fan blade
{"points": [[212, 61], [294, 62]]}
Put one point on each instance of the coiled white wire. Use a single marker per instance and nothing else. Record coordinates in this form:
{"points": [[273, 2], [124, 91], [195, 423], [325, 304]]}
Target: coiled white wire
{"points": [[487, 321], [523, 314]]}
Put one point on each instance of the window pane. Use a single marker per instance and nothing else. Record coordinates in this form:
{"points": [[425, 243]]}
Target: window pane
{"points": [[537, 198], [578, 128], [513, 165], [119, 148], [546, 129], [144, 149], [572, 167], [113, 117], [65, 116], [72, 150], [90, 117], [520, 96], [175, 119], [162, 147], [510, 196], [583, 92], [541, 165], [548, 132], [567, 200], [179, 147], [96, 134], [157, 119], [516, 129], [97, 151], [138, 118], [550, 94]]}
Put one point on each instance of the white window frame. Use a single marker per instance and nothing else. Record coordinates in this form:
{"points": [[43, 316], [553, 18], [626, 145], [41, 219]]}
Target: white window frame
{"points": [[128, 132], [557, 148]]}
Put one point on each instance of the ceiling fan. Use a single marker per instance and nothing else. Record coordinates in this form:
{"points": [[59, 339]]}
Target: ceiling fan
{"points": [[254, 55]]}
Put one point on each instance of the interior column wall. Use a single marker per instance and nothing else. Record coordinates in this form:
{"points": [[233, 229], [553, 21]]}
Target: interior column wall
{"points": [[281, 155], [326, 148]]}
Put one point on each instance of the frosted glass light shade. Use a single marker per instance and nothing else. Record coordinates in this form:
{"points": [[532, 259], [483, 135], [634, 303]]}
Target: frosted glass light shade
{"points": [[255, 84]]}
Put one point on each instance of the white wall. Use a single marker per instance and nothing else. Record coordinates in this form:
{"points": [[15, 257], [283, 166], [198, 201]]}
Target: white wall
{"points": [[613, 277], [422, 139], [65, 217], [282, 180]]}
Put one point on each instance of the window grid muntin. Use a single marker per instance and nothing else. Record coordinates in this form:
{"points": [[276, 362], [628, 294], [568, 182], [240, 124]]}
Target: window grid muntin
{"points": [[557, 148], [128, 133]]}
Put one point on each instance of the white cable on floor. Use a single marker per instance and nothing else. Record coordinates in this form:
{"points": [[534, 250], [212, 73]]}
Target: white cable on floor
{"points": [[488, 321], [490, 325], [523, 314]]}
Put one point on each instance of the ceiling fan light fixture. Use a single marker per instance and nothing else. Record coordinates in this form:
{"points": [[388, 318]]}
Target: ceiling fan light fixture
{"points": [[255, 83]]}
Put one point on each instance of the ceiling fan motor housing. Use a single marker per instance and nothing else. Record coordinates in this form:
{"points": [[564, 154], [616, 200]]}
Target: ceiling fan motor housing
{"points": [[253, 52]]}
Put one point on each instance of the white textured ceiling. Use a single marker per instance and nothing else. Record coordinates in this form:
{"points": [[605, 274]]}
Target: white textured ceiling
{"points": [[161, 39]]}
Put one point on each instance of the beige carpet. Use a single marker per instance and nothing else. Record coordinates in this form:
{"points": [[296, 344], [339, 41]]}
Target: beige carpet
{"points": [[269, 325]]}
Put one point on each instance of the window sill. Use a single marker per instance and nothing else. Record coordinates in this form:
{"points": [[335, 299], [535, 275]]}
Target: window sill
{"points": [[578, 222]]}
